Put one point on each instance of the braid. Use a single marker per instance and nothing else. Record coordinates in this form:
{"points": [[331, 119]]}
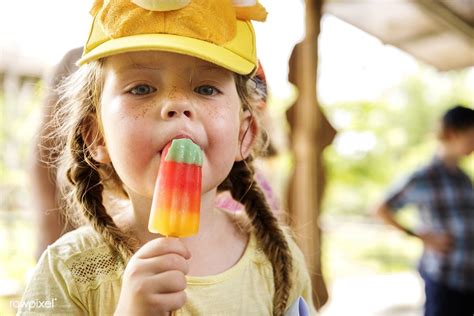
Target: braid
{"points": [[87, 192], [80, 95], [244, 189]]}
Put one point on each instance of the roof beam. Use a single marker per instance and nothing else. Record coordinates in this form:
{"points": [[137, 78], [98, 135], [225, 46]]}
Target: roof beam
{"points": [[444, 15], [411, 39]]}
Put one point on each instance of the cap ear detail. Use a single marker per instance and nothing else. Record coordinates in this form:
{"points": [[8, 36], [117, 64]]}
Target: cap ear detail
{"points": [[249, 10], [96, 7], [161, 5], [244, 3]]}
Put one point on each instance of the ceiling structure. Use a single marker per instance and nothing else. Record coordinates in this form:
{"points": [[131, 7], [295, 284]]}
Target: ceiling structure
{"points": [[437, 32]]}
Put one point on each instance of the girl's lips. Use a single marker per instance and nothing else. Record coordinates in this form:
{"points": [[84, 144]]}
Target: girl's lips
{"points": [[184, 136], [180, 136]]}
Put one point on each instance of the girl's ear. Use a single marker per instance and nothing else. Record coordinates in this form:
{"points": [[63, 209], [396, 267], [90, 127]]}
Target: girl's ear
{"points": [[94, 140], [247, 135]]}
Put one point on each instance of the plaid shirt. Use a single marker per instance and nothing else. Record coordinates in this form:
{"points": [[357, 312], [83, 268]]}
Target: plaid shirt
{"points": [[445, 200]]}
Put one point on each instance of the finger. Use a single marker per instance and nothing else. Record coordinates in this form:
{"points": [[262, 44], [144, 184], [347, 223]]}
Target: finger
{"points": [[167, 282], [451, 241], [169, 301], [447, 242], [447, 238], [448, 246], [444, 252], [161, 246], [163, 263], [444, 247]]}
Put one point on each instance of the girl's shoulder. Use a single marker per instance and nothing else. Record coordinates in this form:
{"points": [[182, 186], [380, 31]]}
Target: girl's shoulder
{"points": [[87, 258], [243, 224], [80, 240], [78, 273]]}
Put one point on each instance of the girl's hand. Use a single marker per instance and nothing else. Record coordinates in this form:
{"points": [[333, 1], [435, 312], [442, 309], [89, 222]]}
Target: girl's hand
{"points": [[154, 280], [439, 242]]}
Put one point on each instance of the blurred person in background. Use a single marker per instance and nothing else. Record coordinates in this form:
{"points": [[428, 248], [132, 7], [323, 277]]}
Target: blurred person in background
{"points": [[45, 194], [444, 197]]}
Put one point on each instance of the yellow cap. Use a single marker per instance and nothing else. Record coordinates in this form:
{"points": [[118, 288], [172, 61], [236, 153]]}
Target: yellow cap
{"points": [[212, 30]]}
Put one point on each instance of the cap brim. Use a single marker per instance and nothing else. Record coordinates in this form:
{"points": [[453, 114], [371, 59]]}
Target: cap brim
{"points": [[215, 54]]}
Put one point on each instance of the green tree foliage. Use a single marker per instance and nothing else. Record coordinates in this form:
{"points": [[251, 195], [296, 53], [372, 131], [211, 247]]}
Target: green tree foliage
{"points": [[380, 141]]}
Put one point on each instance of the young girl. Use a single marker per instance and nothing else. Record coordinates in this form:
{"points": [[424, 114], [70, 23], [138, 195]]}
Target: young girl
{"points": [[153, 71]]}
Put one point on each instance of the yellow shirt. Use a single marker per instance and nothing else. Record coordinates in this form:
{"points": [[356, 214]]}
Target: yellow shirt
{"points": [[79, 275]]}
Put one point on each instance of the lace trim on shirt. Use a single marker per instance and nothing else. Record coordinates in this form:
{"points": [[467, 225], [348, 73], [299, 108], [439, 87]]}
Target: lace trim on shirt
{"points": [[92, 267]]}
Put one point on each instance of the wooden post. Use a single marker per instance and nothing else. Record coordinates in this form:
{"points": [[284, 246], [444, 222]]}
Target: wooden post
{"points": [[310, 134]]}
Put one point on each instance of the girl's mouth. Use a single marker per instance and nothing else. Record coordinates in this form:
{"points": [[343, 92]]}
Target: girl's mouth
{"points": [[180, 136], [183, 136]]}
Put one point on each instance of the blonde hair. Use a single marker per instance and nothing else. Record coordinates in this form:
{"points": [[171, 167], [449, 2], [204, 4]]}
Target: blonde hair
{"points": [[87, 179]]}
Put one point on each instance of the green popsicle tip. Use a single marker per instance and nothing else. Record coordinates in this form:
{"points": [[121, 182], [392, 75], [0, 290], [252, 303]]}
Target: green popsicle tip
{"points": [[185, 151]]}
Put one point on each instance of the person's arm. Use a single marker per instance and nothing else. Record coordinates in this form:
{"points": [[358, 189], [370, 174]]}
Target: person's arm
{"points": [[42, 169], [438, 241], [384, 212]]}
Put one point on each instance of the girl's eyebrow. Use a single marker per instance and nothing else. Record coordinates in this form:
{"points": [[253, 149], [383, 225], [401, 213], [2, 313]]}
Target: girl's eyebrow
{"points": [[137, 66], [211, 69], [197, 68]]}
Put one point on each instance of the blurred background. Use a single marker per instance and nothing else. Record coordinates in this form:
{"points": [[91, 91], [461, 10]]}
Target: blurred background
{"points": [[384, 71]]}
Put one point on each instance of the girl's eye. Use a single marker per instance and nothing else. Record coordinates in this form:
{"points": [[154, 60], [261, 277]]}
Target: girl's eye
{"points": [[207, 90], [142, 89]]}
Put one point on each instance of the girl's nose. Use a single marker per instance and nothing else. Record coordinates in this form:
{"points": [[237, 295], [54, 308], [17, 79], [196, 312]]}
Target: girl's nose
{"points": [[177, 105]]}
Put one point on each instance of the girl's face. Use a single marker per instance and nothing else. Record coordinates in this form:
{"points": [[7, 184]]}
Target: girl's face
{"points": [[150, 98]]}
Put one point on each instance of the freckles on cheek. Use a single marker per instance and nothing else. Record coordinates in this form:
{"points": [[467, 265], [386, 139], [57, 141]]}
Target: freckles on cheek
{"points": [[226, 114], [128, 134], [142, 111], [225, 128], [137, 137]]}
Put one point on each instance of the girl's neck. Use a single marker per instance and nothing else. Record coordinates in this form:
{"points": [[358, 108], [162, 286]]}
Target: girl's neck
{"points": [[218, 246], [135, 219]]}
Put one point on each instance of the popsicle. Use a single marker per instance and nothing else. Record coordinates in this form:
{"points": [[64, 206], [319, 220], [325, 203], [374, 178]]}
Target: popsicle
{"points": [[177, 196]]}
